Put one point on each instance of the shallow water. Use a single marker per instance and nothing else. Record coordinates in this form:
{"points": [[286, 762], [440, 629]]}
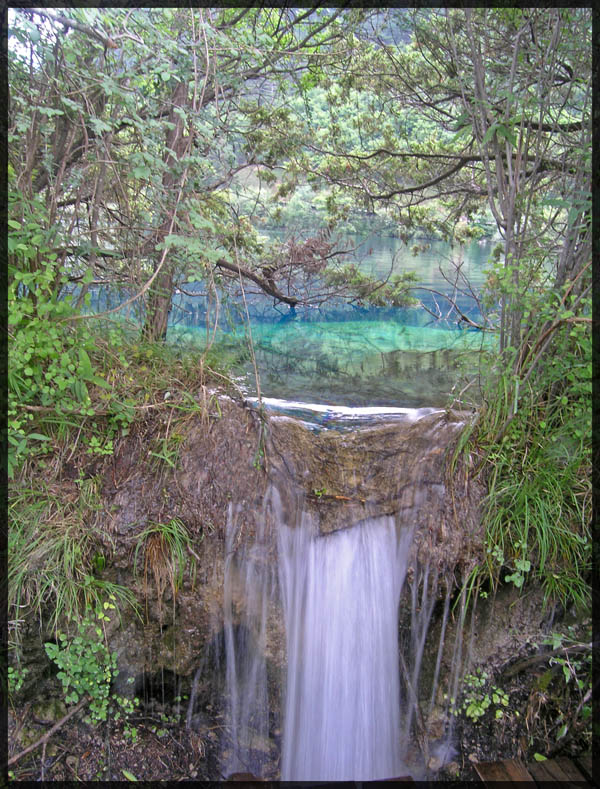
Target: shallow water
{"points": [[350, 363], [352, 355]]}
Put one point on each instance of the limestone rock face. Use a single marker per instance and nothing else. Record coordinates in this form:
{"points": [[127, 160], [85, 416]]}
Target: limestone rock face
{"points": [[399, 468], [215, 478], [233, 478]]}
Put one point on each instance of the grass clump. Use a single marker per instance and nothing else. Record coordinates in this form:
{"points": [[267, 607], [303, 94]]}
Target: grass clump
{"points": [[166, 550], [54, 553], [531, 443]]}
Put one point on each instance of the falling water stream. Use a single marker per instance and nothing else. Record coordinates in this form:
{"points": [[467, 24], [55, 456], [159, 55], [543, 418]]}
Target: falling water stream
{"points": [[340, 596], [350, 706]]}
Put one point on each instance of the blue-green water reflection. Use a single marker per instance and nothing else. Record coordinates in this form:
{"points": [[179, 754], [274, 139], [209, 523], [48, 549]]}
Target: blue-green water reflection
{"points": [[356, 356]]}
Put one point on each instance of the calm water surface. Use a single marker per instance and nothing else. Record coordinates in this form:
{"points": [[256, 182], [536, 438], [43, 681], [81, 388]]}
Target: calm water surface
{"points": [[349, 356]]}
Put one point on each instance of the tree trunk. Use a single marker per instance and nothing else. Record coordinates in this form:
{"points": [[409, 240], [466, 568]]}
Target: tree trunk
{"points": [[158, 304], [158, 307]]}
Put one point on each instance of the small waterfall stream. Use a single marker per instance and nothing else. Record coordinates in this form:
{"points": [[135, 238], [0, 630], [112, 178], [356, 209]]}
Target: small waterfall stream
{"points": [[340, 598], [349, 703], [249, 587]]}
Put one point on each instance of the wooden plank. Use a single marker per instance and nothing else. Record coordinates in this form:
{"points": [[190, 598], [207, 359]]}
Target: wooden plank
{"points": [[508, 771], [517, 770], [584, 762], [551, 770], [489, 772], [570, 768]]}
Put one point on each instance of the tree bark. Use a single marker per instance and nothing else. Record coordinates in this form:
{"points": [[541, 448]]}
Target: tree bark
{"points": [[158, 304]]}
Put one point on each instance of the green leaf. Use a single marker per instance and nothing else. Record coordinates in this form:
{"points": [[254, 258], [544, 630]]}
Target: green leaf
{"points": [[95, 379], [508, 134], [466, 130], [51, 650], [490, 133], [49, 112], [72, 105], [141, 171], [99, 126], [556, 202], [516, 579], [80, 390], [85, 365], [128, 775], [539, 757]]}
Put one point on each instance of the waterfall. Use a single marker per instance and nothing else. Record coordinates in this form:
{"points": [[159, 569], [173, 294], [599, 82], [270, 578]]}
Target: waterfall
{"points": [[324, 602], [340, 596], [248, 589]]}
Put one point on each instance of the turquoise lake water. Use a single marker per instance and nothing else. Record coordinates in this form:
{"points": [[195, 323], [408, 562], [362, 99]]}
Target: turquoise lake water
{"points": [[349, 356]]}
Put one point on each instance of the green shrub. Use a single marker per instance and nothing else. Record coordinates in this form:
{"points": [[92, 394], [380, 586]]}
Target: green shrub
{"points": [[531, 441], [87, 668]]}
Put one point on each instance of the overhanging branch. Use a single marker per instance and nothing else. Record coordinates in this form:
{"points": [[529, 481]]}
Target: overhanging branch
{"points": [[88, 31], [271, 290]]}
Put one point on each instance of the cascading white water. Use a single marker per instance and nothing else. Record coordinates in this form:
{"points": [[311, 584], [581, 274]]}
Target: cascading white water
{"points": [[248, 587], [354, 706], [340, 597]]}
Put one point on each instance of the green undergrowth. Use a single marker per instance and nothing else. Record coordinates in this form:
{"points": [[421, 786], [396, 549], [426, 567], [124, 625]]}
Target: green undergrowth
{"points": [[541, 700], [55, 552], [531, 444], [115, 380], [86, 667], [77, 385], [55, 555]]}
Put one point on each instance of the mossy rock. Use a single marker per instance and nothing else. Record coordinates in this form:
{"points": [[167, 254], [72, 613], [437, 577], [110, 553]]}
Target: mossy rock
{"points": [[49, 710]]}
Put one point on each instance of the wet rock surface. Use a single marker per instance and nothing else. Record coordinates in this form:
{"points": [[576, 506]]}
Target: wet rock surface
{"points": [[399, 468]]}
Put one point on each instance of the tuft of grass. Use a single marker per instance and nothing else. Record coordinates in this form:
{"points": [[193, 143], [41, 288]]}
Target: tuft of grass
{"points": [[538, 520], [166, 551], [531, 442], [51, 550]]}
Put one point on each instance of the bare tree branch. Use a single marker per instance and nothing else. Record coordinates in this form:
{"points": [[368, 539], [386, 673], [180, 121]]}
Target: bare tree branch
{"points": [[88, 31], [267, 287], [85, 700]]}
